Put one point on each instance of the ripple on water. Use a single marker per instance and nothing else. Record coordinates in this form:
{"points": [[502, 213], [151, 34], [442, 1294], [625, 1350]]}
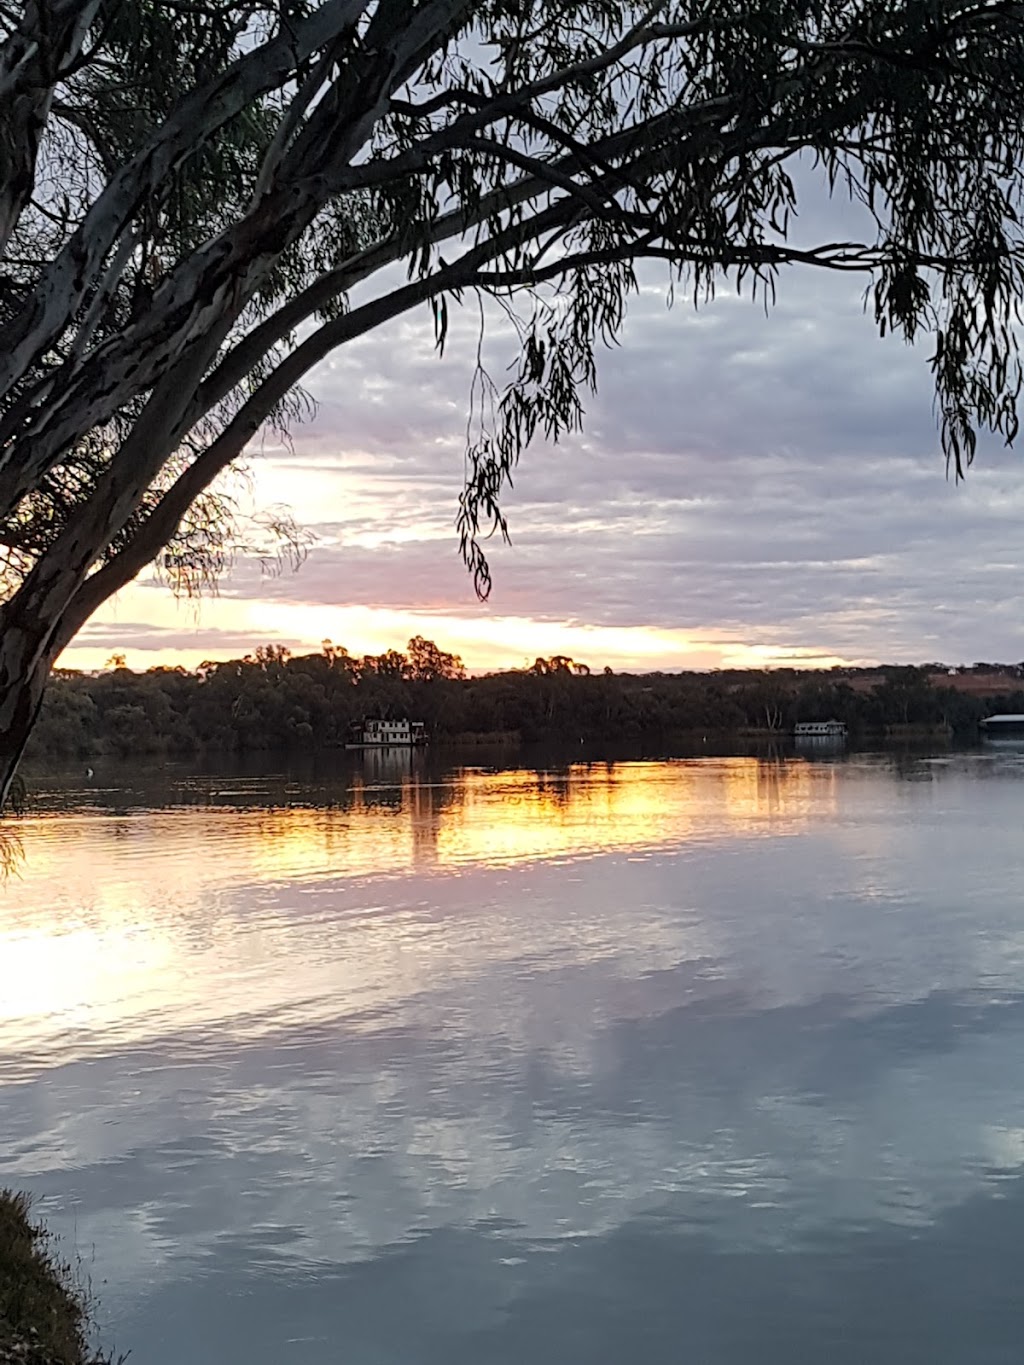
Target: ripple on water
{"points": [[650, 1056]]}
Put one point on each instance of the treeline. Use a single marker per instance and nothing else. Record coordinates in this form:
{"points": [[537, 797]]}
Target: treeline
{"points": [[272, 700]]}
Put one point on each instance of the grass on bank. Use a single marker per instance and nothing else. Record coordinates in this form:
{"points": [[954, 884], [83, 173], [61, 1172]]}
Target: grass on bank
{"points": [[43, 1316]]}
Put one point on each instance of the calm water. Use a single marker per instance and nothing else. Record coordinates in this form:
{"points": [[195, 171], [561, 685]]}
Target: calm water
{"points": [[713, 1061]]}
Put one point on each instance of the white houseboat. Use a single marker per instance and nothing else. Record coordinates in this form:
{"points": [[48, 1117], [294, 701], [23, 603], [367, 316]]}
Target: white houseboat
{"points": [[820, 729], [386, 734], [1006, 727]]}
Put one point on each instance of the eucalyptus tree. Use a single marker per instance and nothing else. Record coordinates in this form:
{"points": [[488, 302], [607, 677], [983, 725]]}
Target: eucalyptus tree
{"points": [[201, 199]]}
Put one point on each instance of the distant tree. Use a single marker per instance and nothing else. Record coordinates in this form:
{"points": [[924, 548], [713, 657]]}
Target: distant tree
{"points": [[428, 663], [337, 657], [201, 199], [269, 658], [391, 664], [301, 701], [558, 663]]}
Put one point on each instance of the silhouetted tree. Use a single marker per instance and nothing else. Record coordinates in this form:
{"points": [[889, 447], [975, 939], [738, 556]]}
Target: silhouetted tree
{"points": [[230, 171], [428, 663]]}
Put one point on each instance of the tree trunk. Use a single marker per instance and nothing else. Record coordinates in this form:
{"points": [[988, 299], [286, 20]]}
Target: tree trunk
{"points": [[48, 38], [24, 669]]}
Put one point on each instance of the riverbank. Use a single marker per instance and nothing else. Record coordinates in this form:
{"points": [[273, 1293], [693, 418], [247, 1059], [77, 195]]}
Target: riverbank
{"points": [[43, 1315], [271, 702]]}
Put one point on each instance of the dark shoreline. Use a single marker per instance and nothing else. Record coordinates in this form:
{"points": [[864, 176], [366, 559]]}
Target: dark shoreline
{"points": [[272, 703], [44, 1315]]}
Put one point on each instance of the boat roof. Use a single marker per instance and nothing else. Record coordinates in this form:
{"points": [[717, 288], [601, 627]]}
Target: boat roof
{"points": [[989, 720]]}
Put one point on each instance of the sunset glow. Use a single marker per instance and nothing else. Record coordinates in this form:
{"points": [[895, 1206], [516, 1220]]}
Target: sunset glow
{"points": [[728, 505], [486, 642], [121, 963]]}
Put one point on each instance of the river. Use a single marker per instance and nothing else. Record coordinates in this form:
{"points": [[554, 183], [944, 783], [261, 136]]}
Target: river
{"points": [[425, 1063]]}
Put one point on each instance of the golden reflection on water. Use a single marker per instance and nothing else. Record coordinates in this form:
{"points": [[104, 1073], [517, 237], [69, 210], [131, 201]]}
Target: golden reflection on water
{"points": [[511, 817], [149, 918]]}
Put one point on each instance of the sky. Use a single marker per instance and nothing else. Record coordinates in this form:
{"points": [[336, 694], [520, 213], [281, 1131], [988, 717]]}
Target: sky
{"points": [[749, 490]]}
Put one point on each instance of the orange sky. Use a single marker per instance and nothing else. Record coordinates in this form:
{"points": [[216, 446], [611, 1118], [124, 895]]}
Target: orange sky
{"points": [[485, 643]]}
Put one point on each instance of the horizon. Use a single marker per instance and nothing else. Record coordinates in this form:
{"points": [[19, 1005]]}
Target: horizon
{"points": [[119, 661]]}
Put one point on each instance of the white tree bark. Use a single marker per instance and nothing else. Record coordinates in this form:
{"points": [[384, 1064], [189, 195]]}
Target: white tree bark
{"points": [[218, 277], [198, 117], [48, 40]]}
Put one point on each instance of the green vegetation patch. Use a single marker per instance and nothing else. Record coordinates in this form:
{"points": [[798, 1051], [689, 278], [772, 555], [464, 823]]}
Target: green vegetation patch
{"points": [[271, 700], [43, 1319]]}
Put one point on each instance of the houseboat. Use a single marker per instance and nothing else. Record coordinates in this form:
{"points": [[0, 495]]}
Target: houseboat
{"points": [[1003, 727], [386, 734], [834, 730]]}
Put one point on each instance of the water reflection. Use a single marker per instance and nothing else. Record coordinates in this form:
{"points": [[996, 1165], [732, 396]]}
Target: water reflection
{"points": [[717, 1061], [102, 930], [12, 849], [384, 818]]}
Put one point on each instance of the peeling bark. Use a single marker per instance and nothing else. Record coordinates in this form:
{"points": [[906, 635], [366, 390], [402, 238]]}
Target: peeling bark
{"points": [[31, 61], [215, 279], [80, 264], [25, 663]]}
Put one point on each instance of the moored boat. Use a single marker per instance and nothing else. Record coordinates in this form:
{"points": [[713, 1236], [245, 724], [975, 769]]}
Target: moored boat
{"points": [[386, 734]]}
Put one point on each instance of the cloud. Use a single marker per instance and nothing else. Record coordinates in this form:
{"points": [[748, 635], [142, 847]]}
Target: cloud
{"points": [[774, 481], [143, 636]]}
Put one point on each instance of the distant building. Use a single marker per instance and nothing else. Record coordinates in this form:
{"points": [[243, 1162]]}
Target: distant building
{"points": [[379, 734]]}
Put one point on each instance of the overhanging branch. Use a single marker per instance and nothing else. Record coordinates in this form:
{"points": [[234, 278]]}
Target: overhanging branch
{"points": [[197, 118]]}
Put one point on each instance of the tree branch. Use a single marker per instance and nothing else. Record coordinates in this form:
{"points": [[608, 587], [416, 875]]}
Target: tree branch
{"points": [[161, 524], [51, 34], [220, 275], [198, 116]]}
